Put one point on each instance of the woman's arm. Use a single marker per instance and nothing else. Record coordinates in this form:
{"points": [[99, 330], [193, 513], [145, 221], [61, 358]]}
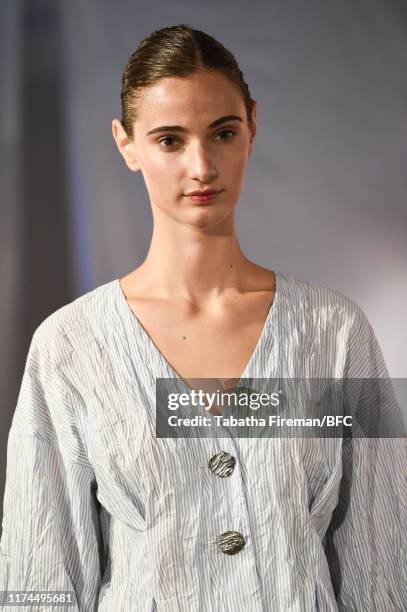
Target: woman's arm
{"points": [[366, 542], [51, 538]]}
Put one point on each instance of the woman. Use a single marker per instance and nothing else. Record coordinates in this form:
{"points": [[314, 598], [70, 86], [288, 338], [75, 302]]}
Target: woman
{"points": [[95, 502]]}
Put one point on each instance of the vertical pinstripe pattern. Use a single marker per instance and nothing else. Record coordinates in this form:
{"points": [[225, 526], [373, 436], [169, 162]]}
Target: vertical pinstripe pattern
{"points": [[95, 503]]}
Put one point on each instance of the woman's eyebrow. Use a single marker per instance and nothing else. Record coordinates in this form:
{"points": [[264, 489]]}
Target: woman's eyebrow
{"points": [[179, 128]]}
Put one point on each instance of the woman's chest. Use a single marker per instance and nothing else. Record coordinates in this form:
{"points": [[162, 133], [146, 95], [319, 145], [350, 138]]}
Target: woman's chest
{"points": [[151, 475], [216, 345]]}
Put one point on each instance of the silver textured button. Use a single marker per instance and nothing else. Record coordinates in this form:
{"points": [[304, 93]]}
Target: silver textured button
{"points": [[231, 542], [222, 464]]}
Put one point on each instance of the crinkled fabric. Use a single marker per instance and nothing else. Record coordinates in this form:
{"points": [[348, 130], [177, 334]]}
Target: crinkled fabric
{"points": [[97, 505]]}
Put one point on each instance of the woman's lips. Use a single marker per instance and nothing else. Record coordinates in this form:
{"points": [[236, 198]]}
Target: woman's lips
{"points": [[203, 199]]}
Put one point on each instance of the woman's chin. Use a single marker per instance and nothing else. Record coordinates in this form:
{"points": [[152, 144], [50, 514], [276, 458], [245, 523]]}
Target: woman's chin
{"points": [[209, 216]]}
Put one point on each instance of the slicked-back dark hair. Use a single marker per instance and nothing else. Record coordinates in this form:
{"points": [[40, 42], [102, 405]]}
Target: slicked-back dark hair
{"points": [[176, 51]]}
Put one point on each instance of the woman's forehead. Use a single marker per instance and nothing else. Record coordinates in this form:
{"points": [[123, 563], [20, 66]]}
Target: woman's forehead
{"points": [[174, 98]]}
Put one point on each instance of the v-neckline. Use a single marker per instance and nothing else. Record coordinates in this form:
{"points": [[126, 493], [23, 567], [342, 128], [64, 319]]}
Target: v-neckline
{"points": [[135, 321]]}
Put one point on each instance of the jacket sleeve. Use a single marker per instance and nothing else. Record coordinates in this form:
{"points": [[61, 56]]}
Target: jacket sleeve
{"points": [[366, 540], [51, 537]]}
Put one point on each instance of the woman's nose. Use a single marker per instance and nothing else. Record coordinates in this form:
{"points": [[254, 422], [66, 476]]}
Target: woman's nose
{"points": [[201, 165]]}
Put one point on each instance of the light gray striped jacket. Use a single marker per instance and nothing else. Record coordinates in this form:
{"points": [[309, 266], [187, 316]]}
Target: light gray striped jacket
{"points": [[95, 503]]}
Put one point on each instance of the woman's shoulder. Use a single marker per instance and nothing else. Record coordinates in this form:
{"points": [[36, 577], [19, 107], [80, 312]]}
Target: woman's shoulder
{"points": [[320, 300], [75, 319]]}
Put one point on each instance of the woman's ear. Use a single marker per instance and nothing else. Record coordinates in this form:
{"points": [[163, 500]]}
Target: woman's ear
{"points": [[253, 126], [125, 145]]}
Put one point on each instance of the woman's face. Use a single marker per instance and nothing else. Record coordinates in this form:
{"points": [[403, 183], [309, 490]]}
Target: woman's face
{"points": [[190, 134]]}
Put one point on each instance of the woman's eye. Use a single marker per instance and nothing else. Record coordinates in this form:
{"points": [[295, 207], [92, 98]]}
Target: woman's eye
{"points": [[226, 131], [166, 138]]}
